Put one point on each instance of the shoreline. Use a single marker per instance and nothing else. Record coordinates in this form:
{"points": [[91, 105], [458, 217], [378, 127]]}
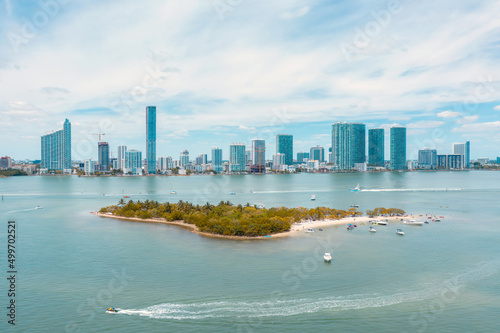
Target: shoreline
{"points": [[295, 228]]}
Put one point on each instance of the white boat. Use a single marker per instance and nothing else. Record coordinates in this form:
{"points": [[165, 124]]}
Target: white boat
{"points": [[173, 192], [399, 232], [372, 229], [355, 206], [327, 257], [356, 189], [38, 207], [310, 230], [313, 197], [378, 222], [413, 222]]}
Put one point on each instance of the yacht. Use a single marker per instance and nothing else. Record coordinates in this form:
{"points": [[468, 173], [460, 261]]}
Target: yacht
{"points": [[399, 232], [327, 257], [313, 197], [378, 222], [372, 229], [356, 189], [413, 222], [355, 206]]}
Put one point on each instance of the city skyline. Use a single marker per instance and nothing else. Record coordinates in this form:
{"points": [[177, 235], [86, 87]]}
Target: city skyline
{"points": [[440, 83]]}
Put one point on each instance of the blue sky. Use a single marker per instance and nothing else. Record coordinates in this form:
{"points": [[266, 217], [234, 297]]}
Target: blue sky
{"points": [[230, 71]]}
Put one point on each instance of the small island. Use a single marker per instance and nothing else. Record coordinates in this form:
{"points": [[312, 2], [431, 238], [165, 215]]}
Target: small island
{"points": [[232, 221]]}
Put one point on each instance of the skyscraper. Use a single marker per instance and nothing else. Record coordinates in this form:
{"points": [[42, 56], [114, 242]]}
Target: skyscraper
{"points": [[301, 156], [258, 156], [348, 145], [317, 153], [150, 139], [284, 145], [376, 146], [184, 158], [133, 162], [427, 158], [121, 157], [464, 150], [237, 157], [56, 149], [103, 156], [217, 159], [398, 148]]}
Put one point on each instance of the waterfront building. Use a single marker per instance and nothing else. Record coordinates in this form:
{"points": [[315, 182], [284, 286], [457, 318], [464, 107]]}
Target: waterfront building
{"points": [[150, 166], [217, 159], [237, 157], [376, 147], [113, 162], [103, 156], [464, 150], [133, 162], [165, 163], [121, 157], [348, 145], [455, 161], [398, 148], [184, 158], [441, 161], [284, 145], [56, 149], [5, 163], [201, 159], [258, 156], [483, 160], [317, 153], [302, 157], [427, 158], [278, 161], [88, 166]]}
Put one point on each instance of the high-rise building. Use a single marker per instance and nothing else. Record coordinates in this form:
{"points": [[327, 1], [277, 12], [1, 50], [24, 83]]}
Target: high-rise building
{"points": [[184, 158], [5, 162], [398, 148], [427, 158], [217, 159], [103, 156], [88, 166], [165, 163], [56, 149], [348, 145], [133, 162], [278, 161], [284, 145], [464, 150], [376, 147], [201, 159], [150, 139], [301, 157], [237, 157], [258, 156], [317, 153], [121, 157]]}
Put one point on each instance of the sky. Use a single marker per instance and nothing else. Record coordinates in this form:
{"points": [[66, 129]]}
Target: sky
{"points": [[223, 71]]}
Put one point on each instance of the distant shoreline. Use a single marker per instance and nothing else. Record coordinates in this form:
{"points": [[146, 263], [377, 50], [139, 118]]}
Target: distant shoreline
{"points": [[295, 229]]}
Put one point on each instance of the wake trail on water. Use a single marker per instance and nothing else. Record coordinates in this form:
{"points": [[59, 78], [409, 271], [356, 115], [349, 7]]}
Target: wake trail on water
{"points": [[281, 308], [412, 190]]}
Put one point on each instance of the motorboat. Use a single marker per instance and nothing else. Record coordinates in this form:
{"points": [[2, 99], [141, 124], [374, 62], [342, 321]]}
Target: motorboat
{"points": [[378, 222], [400, 232], [173, 192], [126, 197], [320, 229], [38, 207], [350, 227], [232, 193], [355, 206], [327, 257], [436, 220], [413, 222], [356, 189], [111, 310], [313, 197], [372, 229], [310, 230]]}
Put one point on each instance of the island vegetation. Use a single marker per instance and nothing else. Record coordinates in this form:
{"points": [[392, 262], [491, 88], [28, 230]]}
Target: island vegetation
{"points": [[381, 211], [12, 172], [225, 218]]}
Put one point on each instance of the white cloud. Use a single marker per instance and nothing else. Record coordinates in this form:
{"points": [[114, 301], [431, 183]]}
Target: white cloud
{"points": [[479, 127], [497, 108], [424, 124], [467, 119], [299, 12], [449, 114]]}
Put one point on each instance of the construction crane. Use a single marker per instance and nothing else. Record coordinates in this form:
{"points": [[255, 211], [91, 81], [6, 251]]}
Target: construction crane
{"points": [[99, 134]]}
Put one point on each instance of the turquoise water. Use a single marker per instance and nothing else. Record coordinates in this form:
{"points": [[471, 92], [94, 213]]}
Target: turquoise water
{"points": [[72, 265]]}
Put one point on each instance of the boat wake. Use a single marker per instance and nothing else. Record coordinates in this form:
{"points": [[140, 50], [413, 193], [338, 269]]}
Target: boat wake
{"points": [[412, 190], [280, 308]]}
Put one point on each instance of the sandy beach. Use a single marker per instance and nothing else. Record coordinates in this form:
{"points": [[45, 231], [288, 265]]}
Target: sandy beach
{"points": [[295, 229]]}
